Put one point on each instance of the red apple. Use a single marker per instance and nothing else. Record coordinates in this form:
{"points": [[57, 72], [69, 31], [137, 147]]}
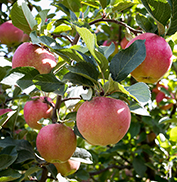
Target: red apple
{"points": [[9, 34], [158, 58], [124, 42], [35, 110], [25, 38], [108, 43], [28, 54], [103, 121], [67, 168], [56, 143]]}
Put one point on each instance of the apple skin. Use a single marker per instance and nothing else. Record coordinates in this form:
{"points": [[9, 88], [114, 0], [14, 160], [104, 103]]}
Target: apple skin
{"points": [[67, 168], [28, 54], [9, 34], [56, 143], [35, 110], [158, 58], [123, 43], [108, 43], [103, 121]]}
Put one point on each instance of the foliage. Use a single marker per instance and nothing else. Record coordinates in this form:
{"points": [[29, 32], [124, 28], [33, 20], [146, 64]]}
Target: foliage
{"points": [[85, 68]]}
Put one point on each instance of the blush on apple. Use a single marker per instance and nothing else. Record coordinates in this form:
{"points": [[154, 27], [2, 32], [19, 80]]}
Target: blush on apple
{"points": [[28, 54], [56, 143], [9, 34], [123, 43], [103, 120], [158, 58]]}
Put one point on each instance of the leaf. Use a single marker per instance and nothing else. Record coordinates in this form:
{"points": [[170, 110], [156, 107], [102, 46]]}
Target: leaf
{"points": [[49, 83], [9, 175], [160, 11], [173, 25], [2, 73], [127, 60], [22, 17], [146, 23], [173, 134], [141, 92], [163, 142], [43, 15], [90, 41], [103, 3], [6, 160], [82, 155], [139, 166], [138, 109], [74, 5], [61, 28], [86, 70], [120, 6]]}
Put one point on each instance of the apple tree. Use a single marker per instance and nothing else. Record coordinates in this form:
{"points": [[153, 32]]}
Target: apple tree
{"points": [[88, 90]]}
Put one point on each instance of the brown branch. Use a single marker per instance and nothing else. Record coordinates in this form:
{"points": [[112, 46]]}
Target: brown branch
{"points": [[56, 109], [117, 22], [64, 36], [76, 39], [44, 174], [72, 98]]}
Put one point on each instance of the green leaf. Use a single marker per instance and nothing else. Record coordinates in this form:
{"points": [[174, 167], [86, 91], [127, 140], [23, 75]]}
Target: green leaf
{"points": [[22, 17], [61, 28], [138, 109], [6, 160], [163, 142], [120, 6], [141, 92], [74, 5], [173, 25], [90, 41], [86, 70], [146, 23], [82, 155], [104, 3], [127, 60], [2, 73], [160, 11], [9, 175], [43, 15], [173, 134], [139, 166], [49, 83], [77, 79]]}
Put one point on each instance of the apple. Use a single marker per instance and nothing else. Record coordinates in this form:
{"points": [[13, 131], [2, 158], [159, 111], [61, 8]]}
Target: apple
{"points": [[28, 54], [9, 34], [35, 110], [56, 143], [103, 120], [25, 38], [108, 43], [158, 58], [67, 168], [123, 43]]}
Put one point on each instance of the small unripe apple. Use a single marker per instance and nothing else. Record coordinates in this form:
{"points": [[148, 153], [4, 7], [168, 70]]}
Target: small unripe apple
{"points": [[9, 34], [56, 143], [108, 43], [123, 43], [103, 121], [158, 58], [35, 110], [67, 168], [28, 54]]}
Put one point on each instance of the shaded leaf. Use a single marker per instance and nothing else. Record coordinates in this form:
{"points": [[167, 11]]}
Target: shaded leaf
{"points": [[6, 160], [139, 166], [9, 175], [49, 83], [127, 60], [61, 28], [20, 11]]}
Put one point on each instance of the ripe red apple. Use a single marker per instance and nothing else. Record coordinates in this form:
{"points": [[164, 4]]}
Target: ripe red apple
{"points": [[28, 54], [158, 58], [35, 110], [56, 143], [103, 121], [124, 42], [25, 37], [108, 43], [67, 168], [9, 34]]}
